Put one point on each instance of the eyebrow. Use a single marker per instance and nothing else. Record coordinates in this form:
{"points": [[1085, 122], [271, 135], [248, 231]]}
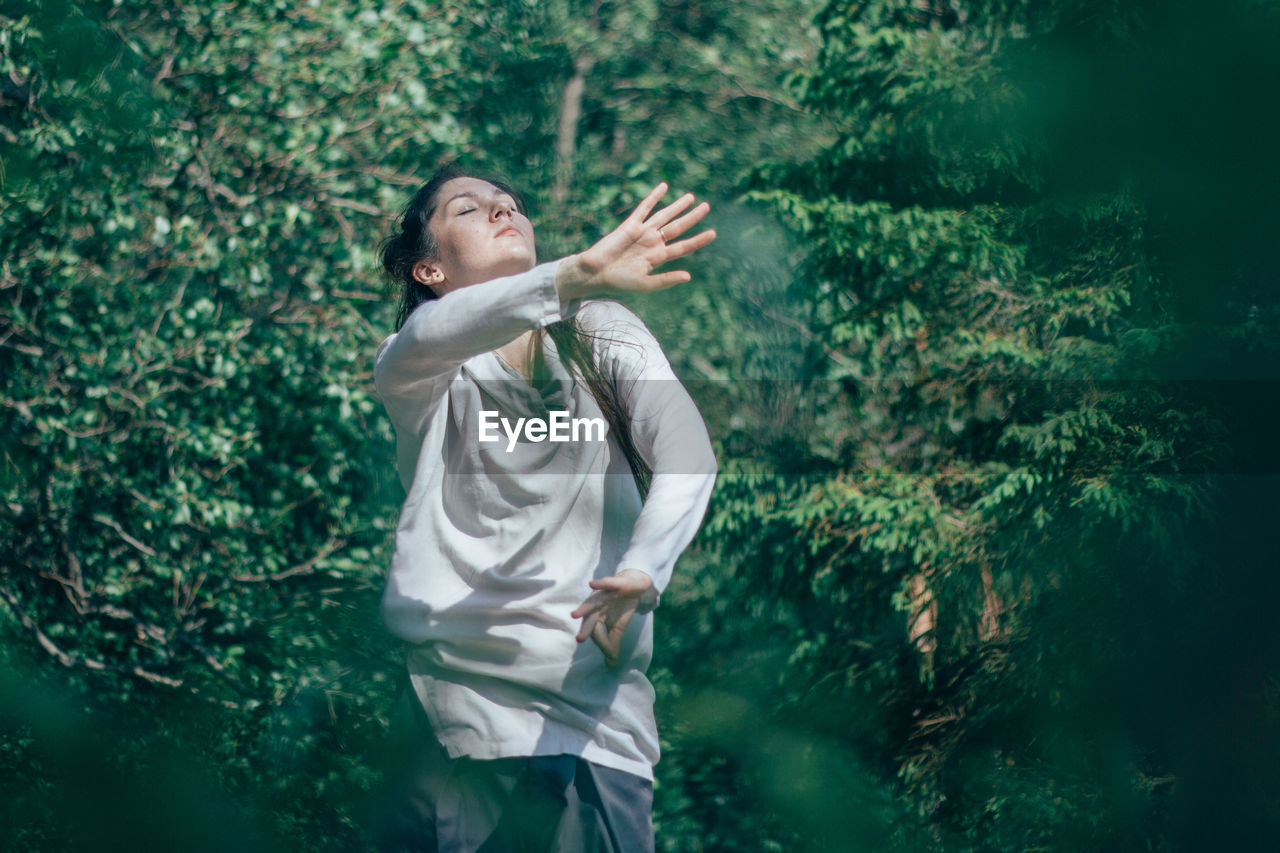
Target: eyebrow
{"points": [[469, 194]]}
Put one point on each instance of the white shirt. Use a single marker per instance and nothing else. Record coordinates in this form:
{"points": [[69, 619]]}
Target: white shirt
{"points": [[495, 546]]}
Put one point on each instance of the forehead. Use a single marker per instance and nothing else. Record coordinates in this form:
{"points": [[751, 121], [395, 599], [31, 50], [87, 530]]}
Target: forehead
{"points": [[466, 186]]}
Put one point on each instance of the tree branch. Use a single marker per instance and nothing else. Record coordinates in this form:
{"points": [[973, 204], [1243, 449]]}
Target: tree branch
{"points": [[302, 568], [70, 660]]}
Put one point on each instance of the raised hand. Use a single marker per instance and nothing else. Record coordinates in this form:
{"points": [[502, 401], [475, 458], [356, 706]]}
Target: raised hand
{"points": [[625, 258]]}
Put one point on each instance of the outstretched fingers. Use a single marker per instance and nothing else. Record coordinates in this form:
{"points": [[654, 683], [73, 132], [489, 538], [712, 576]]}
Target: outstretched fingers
{"points": [[643, 209], [672, 230], [658, 281], [670, 212], [689, 245]]}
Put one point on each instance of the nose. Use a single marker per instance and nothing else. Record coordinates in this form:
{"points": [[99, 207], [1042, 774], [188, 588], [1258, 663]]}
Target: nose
{"points": [[502, 207]]}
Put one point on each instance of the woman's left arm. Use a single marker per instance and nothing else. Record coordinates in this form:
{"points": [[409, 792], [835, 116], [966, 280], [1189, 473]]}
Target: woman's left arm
{"points": [[668, 432]]}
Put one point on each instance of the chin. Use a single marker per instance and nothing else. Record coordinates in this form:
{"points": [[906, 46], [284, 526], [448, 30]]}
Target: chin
{"points": [[515, 263], [524, 259]]}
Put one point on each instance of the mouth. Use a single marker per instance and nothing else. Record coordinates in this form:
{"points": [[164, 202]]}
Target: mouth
{"points": [[510, 229]]}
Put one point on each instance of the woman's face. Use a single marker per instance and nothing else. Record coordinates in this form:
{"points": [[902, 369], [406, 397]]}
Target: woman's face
{"points": [[480, 234]]}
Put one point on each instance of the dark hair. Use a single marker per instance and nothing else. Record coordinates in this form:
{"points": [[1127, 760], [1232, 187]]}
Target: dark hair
{"points": [[415, 242]]}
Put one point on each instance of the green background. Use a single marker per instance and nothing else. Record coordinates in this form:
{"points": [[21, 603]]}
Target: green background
{"points": [[987, 347]]}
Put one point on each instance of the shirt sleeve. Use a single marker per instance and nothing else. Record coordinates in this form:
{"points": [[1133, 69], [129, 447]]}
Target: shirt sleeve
{"points": [[669, 433], [440, 335]]}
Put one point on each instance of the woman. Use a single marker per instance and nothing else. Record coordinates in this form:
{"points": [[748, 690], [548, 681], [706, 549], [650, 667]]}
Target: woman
{"points": [[517, 733]]}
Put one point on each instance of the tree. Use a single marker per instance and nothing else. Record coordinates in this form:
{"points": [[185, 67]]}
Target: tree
{"points": [[193, 197], [995, 548], [197, 483]]}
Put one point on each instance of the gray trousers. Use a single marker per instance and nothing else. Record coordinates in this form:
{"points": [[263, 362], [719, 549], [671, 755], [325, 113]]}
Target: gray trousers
{"points": [[537, 804]]}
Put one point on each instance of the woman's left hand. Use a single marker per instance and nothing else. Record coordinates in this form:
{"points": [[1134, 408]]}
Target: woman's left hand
{"points": [[610, 608]]}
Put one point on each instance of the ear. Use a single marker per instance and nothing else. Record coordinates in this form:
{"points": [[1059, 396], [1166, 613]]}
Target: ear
{"points": [[427, 272]]}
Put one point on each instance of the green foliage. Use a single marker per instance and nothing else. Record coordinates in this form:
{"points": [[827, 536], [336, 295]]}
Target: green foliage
{"points": [[196, 476], [976, 576], [1011, 482], [189, 423]]}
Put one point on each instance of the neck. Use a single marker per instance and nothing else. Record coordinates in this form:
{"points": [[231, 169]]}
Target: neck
{"points": [[458, 282]]}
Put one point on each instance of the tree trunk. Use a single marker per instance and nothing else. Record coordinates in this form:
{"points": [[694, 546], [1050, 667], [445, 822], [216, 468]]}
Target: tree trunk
{"points": [[567, 138]]}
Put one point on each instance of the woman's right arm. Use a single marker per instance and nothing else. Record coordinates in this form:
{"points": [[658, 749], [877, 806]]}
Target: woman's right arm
{"points": [[442, 334], [466, 322]]}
